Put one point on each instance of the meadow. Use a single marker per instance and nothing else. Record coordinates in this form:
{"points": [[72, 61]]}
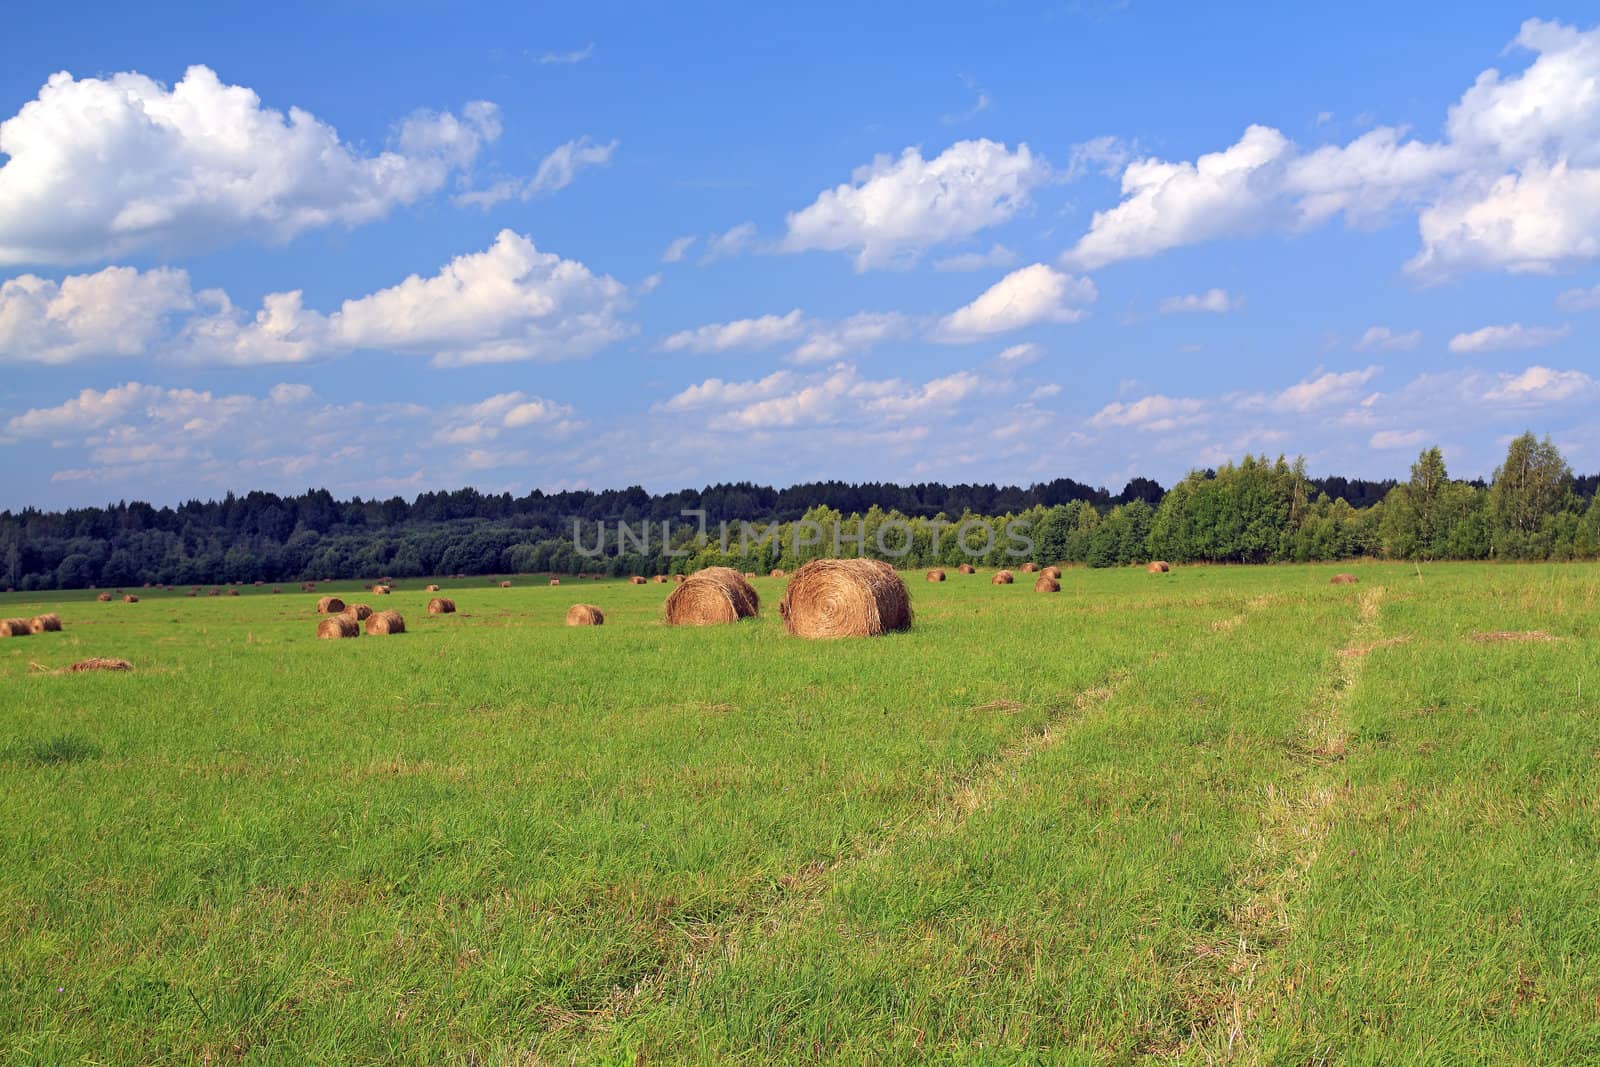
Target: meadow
{"points": [[1227, 814]]}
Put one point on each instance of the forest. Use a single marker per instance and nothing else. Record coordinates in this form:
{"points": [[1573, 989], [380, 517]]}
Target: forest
{"points": [[1258, 510]]}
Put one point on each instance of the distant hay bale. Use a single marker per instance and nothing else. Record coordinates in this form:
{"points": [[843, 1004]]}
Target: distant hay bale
{"points": [[637, 579], [276, 590], [336, 626], [845, 598], [1158, 566], [191, 593], [386, 581], [307, 587], [505, 585], [711, 597], [1046, 584], [215, 592], [104, 598], [130, 599], [1002, 578], [380, 590], [659, 579], [1052, 572], [100, 663], [966, 568], [329, 605], [233, 592], [48, 623], [680, 579], [430, 589], [358, 612], [1343, 579], [1029, 567], [936, 575], [776, 572], [555, 581], [585, 615], [441, 606], [14, 628], [385, 622]]}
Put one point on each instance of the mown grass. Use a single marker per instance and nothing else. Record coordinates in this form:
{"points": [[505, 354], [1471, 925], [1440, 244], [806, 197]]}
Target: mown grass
{"points": [[1224, 813]]}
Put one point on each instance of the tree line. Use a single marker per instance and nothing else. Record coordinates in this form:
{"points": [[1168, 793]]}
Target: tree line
{"points": [[1255, 511]]}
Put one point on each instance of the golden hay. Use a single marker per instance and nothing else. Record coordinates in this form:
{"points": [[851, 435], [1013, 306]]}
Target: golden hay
{"points": [[50, 623], [1343, 579], [336, 626], [104, 598], [659, 579], [845, 598], [1158, 566], [1029, 567], [1046, 584], [380, 590], [636, 580], [966, 568], [1494, 637], [14, 628], [585, 615], [679, 578], [233, 592], [329, 605], [386, 622], [1001, 578], [358, 612], [505, 585], [441, 606], [215, 592], [130, 599], [776, 572], [712, 596], [555, 581], [1052, 572], [430, 589], [935, 575], [100, 663]]}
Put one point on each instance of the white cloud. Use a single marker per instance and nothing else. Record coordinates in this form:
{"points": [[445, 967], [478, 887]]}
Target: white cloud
{"points": [[89, 410], [1541, 385], [118, 311], [1020, 355], [556, 171], [895, 209], [1579, 299], [731, 242], [566, 58], [856, 334], [678, 249], [1156, 413], [715, 392], [980, 103], [102, 167], [755, 333], [838, 395], [1213, 301], [1384, 339], [1397, 439], [1025, 297], [1543, 219], [1504, 338], [1325, 390], [1101, 155], [997, 258]]}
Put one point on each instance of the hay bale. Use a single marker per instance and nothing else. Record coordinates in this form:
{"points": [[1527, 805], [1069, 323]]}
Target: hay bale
{"points": [[711, 597], [637, 579], [430, 589], [329, 605], [1343, 579], [215, 592], [276, 590], [555, 581], [1029, 567], [660, 579], [336, 626], [104, 598], [380, 590], [505, 585], [1158, 566], [191, 593], [936, 575], [966, 568], [48, 623], [233, 592], [385, 622], [680, 579], [1046, 584], [441, 606], [585, 615], [776, 572], [14, 628], [1052, 571], [845, 598], [130, 599], [100, 663], [358, 612], [1002, 578]]}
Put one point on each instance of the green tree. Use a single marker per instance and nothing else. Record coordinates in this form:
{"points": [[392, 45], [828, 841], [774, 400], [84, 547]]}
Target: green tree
{"points": [[1530, 486]]}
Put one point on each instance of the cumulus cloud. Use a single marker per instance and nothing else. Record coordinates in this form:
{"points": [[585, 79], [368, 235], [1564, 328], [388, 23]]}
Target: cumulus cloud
{"points": [[1155, 413], [731, 242], [511, 302], [1325, 390], [678, 249], [819, 341], [1025, 297], [556, 171], [1504, 338], [1384, 339], [837, 395], [100, 167], [739, 334], [997, 258], [1541, 385], [893, 210], [566, 59], [1213, 301], [1397, 439], [852, 335], [1020, 355], [1579, 299]]}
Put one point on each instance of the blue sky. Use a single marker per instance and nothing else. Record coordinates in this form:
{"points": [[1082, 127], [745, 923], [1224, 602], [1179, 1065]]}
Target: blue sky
{"points": [[391, 250]]}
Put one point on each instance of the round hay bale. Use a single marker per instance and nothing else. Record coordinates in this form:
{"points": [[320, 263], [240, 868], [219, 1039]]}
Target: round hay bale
{"points": [[1046, 584], [14, 628], [380, 590], [431, 589], [749, 576], [585, 615], [329, 605], [680, 579], [441, 606], [104, 598], [48, 623], [100, 663], [637, 579], [1002, 578], [711, 597], [966, 568], [191, 593], [130, 599], [1029, 567], [1158, 566], [358, 612], [1052, 571], [936, 575], [1343, 579], [336, 626], [505, 585], [776, 572], [233, 592], [276, 590], [845, 598], [215, 592], [385, 622], [659, 579]]}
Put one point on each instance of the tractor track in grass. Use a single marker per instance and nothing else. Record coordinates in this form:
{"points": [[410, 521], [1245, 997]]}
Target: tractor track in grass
{"points": [[1300, 809]]}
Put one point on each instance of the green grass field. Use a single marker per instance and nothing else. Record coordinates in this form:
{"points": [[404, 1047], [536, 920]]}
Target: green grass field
{"points": [[1225, 814]]}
